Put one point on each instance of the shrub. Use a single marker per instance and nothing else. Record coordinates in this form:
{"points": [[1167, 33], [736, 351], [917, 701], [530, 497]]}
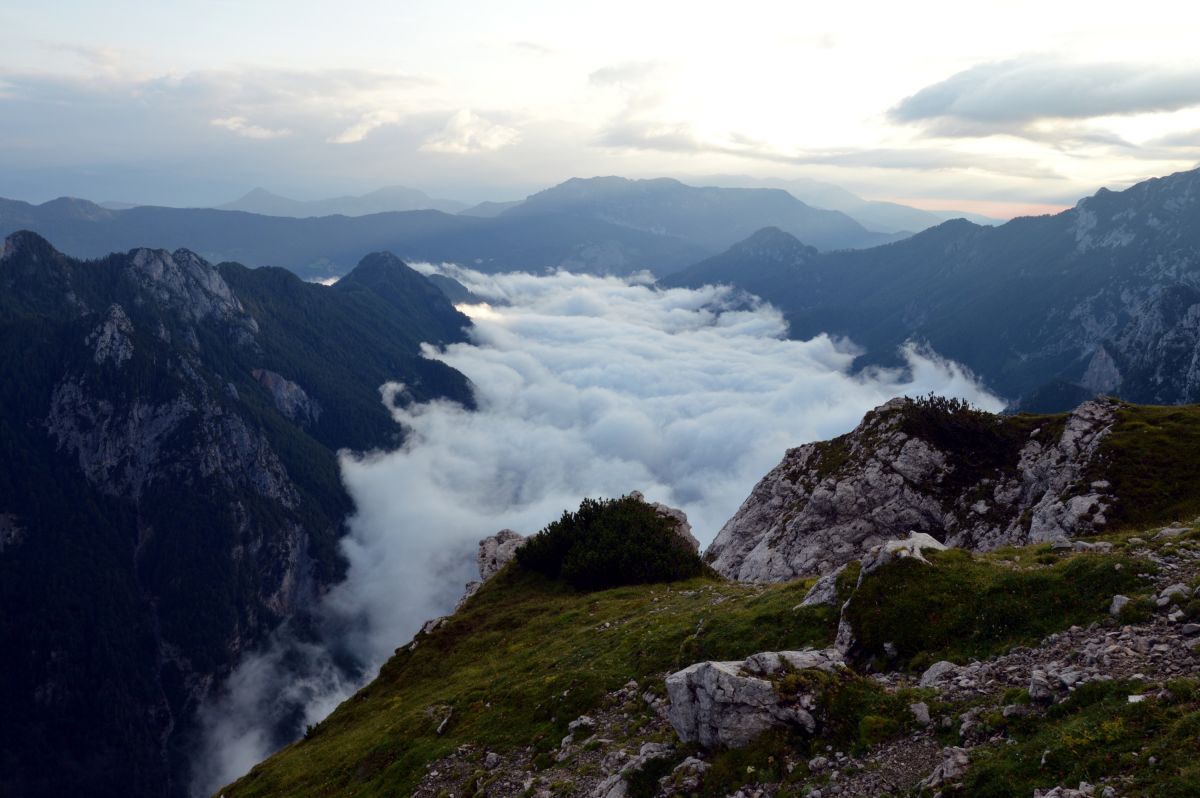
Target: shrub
{"points": [[609, 543]]}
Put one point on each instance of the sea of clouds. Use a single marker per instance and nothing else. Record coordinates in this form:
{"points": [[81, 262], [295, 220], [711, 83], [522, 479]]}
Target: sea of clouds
{"points": [[585, 386]]}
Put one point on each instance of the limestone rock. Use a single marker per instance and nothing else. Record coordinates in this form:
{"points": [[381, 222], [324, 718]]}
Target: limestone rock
{"points": [[824, 592], [829, 503], [731, 703], [290, 399], [496, 550], [954, 765], [937, 672], [112, 340]]}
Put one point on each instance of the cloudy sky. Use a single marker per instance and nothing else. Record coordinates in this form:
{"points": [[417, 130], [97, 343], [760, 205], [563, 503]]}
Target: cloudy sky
{"points": [[987, 106]]}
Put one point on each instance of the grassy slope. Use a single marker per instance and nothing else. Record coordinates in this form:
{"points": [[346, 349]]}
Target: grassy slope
{"points": [[1150, 457], [526, 656]]}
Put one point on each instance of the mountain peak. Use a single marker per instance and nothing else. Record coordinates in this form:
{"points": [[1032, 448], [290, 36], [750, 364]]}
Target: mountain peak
{"points": [[28, 243]]}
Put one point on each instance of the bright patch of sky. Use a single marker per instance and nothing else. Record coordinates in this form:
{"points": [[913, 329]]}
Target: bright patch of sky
{"points": [[1013, 104]]}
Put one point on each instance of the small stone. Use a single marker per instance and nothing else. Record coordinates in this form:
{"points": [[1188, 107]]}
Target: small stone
{"points": [[920, 712], [1119, 602]]}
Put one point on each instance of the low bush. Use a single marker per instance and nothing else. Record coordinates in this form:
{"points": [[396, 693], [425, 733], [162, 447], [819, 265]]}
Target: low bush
{"points": [[609, 543]]}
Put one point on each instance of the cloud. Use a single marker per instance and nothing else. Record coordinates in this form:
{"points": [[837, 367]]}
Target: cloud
{"points": [[586, 386], [467, 132], [370, 121], [1184, 139], [1009, 96], [242, 127]]}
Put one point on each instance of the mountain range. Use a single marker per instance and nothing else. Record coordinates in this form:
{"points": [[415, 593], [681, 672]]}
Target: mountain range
{"points": [[886, 217], [600, 225], [1100, 298], [170, 491]]}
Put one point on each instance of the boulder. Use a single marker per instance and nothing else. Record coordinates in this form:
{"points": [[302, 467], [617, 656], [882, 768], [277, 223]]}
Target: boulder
{"points": [[731, 703], [937, 672], [911, 547], [953, 767]]}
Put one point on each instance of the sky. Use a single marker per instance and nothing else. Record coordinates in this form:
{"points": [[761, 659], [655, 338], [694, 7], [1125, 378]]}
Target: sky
{"points": [[995, 107], [586, 387]]}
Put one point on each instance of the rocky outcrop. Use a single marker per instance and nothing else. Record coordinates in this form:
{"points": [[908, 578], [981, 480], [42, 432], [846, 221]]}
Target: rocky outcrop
{"points": [[290, 399], [112, 339], [831, 502], [731, 703], [495, 552]]}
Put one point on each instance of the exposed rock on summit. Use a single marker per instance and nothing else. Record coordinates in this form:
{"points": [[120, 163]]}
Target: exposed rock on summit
{"points": [[966, 478]]}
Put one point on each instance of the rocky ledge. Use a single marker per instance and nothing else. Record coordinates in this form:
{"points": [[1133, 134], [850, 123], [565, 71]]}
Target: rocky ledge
{"points": [[909, 467]]}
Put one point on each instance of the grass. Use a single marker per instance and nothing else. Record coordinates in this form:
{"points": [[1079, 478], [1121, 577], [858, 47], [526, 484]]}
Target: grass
{"points": [[1150, 458], [520, 661], [963, 606], [1098, 734], [527, 655]]}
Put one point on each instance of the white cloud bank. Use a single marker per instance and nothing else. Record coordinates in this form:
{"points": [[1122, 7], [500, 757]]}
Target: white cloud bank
{"points": [[586, 386]]}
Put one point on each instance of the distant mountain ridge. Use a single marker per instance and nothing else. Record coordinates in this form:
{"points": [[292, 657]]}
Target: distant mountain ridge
{"points": [[598, 225], [707, 215], [170, 492], [887, 217], [1100, 297], [390, 198]]}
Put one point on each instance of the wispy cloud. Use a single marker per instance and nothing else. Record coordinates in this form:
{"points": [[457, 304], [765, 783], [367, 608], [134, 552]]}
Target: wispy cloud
{"points": [[244, 128], [1012, 97], [368, 122]]}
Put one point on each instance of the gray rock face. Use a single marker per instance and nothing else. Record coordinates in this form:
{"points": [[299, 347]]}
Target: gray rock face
{"points": [[112, 339], [187, 284], [290, 399], [731, 703], [829, 503], [496, 550]]}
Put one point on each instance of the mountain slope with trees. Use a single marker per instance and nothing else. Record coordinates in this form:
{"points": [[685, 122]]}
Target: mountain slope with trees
{"points": [[1097, 299], [170, 491]]}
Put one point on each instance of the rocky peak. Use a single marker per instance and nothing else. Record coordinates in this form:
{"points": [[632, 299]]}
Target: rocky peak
{"points": [[967, 478], [188, 284]]}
